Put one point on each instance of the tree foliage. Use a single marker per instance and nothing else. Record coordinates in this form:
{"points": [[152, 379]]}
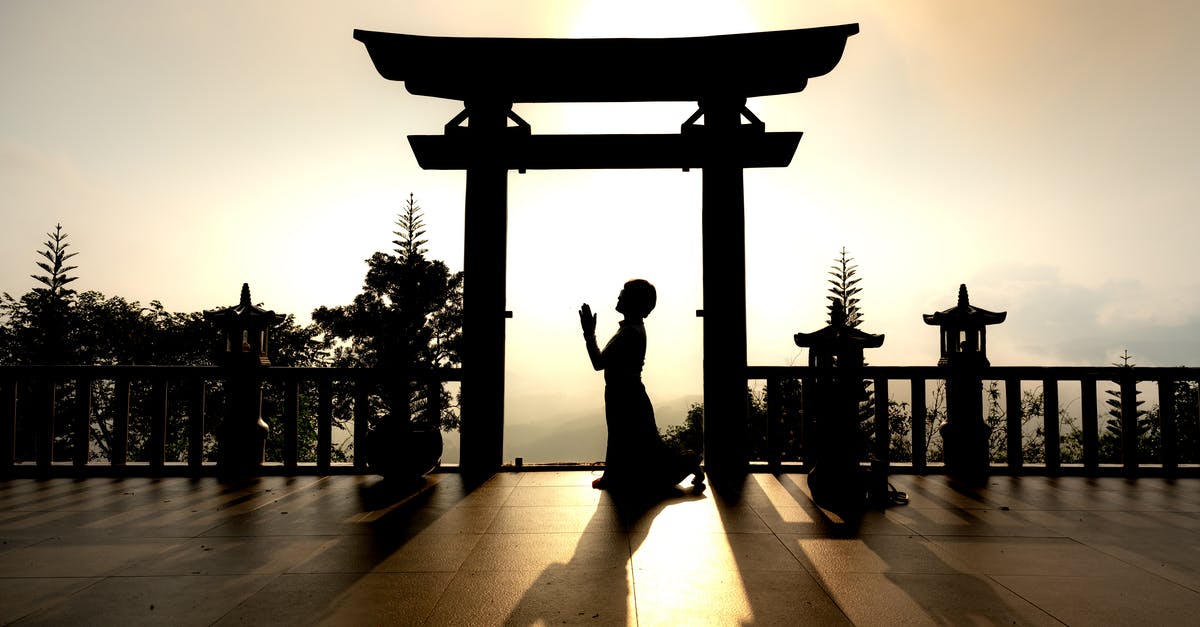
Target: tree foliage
{"points": [[407, 321], [55, 324]]}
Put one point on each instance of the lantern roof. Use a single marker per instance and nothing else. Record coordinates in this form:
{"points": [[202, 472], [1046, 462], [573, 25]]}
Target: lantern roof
{"points": [[838, 334], [245, 313], [964, 314]]}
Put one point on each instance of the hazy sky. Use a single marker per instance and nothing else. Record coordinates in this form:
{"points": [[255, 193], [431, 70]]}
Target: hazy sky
{"points": [[1043, 152]]}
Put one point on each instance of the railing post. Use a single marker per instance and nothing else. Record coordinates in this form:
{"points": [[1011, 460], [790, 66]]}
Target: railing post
{"points": [[1014, 422], [291, 422], [1090, 426], [324, 422], [774, 424], [8, 426], [158, 425], [83, 421], [1051, 430], [920, 455], [196, 411], [122, 407], [1167, 428]]}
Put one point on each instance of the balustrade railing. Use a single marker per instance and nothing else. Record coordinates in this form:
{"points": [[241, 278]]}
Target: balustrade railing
{"points": [[1136, 434], [162, 419], [77, 420]]}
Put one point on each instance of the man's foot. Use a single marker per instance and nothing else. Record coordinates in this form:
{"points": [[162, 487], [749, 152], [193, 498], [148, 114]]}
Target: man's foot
{"points": [[600, 483]]}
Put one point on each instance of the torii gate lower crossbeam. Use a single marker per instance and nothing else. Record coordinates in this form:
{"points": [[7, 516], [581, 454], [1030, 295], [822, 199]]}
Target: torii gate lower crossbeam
{"points": [[723, 72]]}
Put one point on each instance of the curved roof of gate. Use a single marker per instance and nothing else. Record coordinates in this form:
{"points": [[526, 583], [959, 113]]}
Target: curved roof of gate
{"points": [[607, 70]]}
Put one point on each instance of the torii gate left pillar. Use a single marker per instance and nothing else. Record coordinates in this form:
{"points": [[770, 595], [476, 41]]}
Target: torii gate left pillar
{"points": [[718, 73], [485, 273]]}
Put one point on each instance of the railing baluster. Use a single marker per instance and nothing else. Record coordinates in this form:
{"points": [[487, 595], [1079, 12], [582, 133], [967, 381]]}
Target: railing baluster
{"points": [[883, 431], [362, 409], [1090, 426], [122, 407], [291, 421], [324, 422], [1051, 430], [8, 426], [1167, 428], [196, 417], [774, 424], [1014, 422], [808, 431], [920, 455], [1129, 422], [158, 425], [45, 427], [83, 421]]}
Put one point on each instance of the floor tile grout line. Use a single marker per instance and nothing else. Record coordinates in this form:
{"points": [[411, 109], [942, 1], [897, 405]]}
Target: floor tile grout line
{"points": [[1041, 609]]}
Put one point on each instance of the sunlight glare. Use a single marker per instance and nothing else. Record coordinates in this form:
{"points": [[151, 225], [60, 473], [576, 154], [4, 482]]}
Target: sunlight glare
{"points": [[637, 18], [687, 538]]}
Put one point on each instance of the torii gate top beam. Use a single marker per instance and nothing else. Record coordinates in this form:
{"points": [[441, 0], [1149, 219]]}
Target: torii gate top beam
{"points": [[607, 70]]}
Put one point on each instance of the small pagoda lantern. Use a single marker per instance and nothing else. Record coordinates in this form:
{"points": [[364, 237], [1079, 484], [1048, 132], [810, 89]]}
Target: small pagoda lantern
{"points": [[243, 351], [965, 435], [836, 479], [838, 344], [964, 331], [244, 328]]}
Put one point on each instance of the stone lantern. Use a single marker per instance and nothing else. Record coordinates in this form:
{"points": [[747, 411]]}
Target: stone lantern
{"points": [[965, 435], [836, 478], [242, 352]]}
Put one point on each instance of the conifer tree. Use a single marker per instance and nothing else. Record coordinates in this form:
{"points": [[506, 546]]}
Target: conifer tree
{"points": [[51, 303], [1111, 439], [845, 288], [844, 291], [408, 318]]}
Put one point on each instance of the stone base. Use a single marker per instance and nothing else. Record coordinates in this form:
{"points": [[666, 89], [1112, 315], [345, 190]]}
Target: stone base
{"points": [[965, 445]]}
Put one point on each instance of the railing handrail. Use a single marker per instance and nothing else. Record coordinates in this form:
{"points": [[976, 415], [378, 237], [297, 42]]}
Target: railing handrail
{"points": [[998, 373], [122, 371]]}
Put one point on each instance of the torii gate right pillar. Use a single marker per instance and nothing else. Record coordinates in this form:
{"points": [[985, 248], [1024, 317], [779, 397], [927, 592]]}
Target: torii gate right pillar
{"points": [[724, 284]]}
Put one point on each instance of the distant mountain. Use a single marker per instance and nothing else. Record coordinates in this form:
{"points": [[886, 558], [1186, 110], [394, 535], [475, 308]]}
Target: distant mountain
{"points": [[577, 437]]}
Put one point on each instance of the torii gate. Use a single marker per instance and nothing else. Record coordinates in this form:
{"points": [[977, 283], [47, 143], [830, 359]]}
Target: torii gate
{"points": [[718, 72]]}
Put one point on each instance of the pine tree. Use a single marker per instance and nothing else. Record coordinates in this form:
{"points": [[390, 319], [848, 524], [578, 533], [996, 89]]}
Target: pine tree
{"points": [[412, 229], [845, 288], [51, 303], [1111, 439], [55, 266], [845, 292]]}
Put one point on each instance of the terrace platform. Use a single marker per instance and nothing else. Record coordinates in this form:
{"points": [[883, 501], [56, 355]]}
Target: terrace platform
{"points": [[532, 548]]}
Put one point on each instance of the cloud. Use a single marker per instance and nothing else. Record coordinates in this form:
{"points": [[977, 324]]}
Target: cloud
{"points": [[1055, 321]]}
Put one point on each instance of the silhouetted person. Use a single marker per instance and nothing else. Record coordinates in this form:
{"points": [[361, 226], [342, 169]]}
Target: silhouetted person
{"points": [[637, 459]]}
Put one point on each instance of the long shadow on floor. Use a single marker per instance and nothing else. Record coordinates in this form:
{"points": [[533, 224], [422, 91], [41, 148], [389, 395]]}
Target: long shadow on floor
{"points": [[376, 567], [877, 570]]}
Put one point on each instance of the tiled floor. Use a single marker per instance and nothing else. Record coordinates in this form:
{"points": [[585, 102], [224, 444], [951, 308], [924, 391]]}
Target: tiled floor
{"points": [[541, 548]]}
